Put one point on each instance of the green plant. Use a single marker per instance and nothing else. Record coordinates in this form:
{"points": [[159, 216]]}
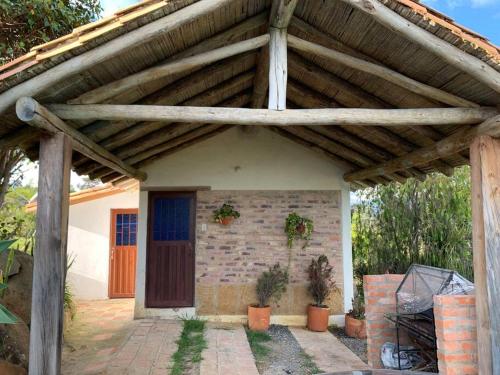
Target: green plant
{"points": [[190, 345], [426, 222], [27, 23], [225, 211], [257, 341], [297, 227], [6, 317], [69, 304], [358, 307], [321, 282], [271, 285]]}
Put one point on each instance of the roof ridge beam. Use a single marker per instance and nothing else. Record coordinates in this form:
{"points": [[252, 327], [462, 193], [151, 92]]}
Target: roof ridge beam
{"points": [[31, 112], [461, 60]]}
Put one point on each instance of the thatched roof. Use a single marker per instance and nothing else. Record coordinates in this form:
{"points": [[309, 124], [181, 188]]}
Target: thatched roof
{"points": [[313, 82]]}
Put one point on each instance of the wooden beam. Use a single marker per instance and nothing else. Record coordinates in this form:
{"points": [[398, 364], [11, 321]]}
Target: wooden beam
{"points": [[278, 69], [454, 56], [448, 146], [261, 79], [281, 13], [49, 268], [112, 89], [108, 50], [160, 136], [321, 80], [485, 178], [247, 116], [31, 112], [379, 71]]}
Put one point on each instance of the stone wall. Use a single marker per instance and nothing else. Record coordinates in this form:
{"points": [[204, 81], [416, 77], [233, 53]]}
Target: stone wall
{"points": [[380, 298], [455, 318], [229, 259]]}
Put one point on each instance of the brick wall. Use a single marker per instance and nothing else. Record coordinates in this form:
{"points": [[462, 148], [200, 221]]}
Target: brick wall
{"points": [[455, 318], [380, 298], [230, 259]]}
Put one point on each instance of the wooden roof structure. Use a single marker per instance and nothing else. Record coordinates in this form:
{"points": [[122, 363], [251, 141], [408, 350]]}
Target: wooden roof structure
{"points": [[388, 89]]}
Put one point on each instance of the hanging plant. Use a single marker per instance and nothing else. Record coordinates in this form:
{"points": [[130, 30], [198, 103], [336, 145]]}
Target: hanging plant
{"points": [[297, 227], [226, 214]]}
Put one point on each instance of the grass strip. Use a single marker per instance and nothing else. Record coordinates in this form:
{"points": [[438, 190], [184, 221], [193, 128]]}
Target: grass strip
{"points": [[257, 342], [190, 345], [309, 364]]}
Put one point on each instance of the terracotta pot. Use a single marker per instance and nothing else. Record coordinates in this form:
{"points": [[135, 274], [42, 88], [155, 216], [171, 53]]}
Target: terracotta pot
{"points": [[317, 318], [259, 317], [227, 220], [301, 228], [355, 327]]}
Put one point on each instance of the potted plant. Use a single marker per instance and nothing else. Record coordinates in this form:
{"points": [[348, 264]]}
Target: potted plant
{"points": [[298, 227], [355, 325], [270, 286], [226, 214], [321, 284]]}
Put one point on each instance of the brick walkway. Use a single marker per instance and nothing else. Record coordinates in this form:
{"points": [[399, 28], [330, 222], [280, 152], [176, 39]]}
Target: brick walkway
{"points": [[98, 330], [104, 339], [228, 352], [327, 351]]}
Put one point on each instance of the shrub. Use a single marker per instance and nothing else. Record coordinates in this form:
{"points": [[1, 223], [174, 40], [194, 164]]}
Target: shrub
{"points": [[425, 222], [321, 280], [271, 285]]}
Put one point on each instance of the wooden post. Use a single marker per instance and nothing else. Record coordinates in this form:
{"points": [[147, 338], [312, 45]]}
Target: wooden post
{"points": [[278, 69], [485, 178], [49, 269]]}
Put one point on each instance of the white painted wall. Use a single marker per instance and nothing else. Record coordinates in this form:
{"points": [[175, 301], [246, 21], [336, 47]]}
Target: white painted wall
{"points": [[88, 242], [235, 160]]}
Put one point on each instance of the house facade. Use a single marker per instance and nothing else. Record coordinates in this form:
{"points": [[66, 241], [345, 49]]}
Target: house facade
{"points": [[214, 272]]}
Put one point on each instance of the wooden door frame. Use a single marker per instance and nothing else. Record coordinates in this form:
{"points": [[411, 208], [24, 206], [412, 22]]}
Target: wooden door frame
{"points": [[112, 233], [192, 233]]}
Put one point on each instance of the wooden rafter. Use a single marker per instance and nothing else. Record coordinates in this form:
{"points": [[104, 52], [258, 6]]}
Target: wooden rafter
{"points": [[379, 71], [448, 146], [149, 141], [448, 52], [114, 88], [31, 112], [247, 116], [108, 50]]}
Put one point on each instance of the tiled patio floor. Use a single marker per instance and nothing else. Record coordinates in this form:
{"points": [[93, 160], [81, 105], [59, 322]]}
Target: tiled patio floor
{"points": [[104, 339]]}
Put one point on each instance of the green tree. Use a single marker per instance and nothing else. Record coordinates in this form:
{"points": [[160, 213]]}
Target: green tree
{"points": [[27, 23], [425, 222]]}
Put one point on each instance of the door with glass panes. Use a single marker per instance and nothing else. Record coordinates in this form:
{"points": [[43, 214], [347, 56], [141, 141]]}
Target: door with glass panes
{"points": [[123, 253]]}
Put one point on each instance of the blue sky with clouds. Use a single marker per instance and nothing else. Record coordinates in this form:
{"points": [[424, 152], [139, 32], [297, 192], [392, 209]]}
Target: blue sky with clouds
{"points": [[482, 16]]}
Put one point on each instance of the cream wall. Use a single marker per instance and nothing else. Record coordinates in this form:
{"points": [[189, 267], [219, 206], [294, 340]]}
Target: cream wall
{"points": [[88, 243], [236, 160]]}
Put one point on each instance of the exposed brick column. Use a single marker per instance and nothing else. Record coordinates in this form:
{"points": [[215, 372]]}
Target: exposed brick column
{"points": [[455, 318], [380, 298]]}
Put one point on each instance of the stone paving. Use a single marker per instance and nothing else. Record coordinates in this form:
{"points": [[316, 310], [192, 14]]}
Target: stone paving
{"points": [[329, 354], [228, 351]]}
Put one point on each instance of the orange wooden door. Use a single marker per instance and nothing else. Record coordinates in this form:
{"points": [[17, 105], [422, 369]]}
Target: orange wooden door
{"points": [[123, 253]]}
